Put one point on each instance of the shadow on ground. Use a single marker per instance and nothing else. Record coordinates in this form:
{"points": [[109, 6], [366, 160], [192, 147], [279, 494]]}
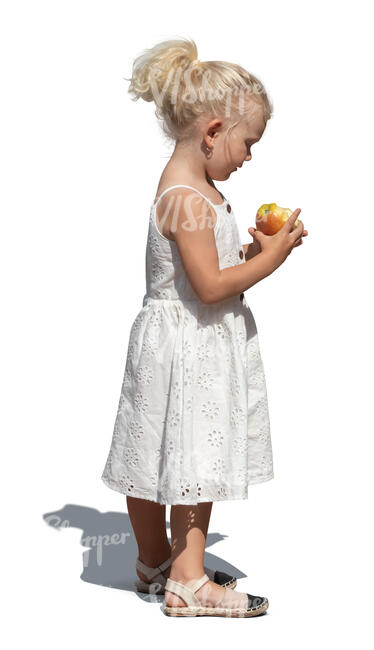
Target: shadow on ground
{"points": [[111, 549]]}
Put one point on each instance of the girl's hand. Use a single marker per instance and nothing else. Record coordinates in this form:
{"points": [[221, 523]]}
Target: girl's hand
{"points": [[280, 245], [254, 248]]}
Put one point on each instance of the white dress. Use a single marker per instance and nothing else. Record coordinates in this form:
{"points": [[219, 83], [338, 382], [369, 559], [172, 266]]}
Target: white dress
{"points": [[192, 423]]}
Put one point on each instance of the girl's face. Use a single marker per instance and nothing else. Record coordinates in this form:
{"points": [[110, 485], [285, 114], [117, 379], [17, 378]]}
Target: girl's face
{"points": [[231, 148]]}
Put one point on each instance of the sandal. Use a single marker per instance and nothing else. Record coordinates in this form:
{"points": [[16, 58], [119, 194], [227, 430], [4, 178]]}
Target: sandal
{"points": [[158, 580], [256, 604]]}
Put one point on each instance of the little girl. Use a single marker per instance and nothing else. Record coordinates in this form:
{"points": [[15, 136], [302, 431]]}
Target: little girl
{"points": [[192, 425]]}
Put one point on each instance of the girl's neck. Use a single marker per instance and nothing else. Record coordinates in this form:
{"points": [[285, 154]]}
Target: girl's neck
{"points": [[177, 173]]}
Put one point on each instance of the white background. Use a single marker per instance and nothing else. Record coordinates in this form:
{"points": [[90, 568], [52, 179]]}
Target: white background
{"points": [[80, 164]]}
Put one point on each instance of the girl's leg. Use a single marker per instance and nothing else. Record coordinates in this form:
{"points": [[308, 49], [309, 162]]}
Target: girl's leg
{"points": [[189, 525], [148, 521]]}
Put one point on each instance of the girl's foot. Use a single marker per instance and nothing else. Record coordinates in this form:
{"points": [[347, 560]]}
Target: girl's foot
{"points": [[210, 595], [155, 575]]}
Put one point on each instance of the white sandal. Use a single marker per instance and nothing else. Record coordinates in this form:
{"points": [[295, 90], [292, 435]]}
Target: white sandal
{"points": [[256, 604], [158, 580]]}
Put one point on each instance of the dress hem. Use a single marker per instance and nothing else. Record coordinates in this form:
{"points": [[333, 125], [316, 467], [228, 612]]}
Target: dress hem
{"points": [[229, 496]]}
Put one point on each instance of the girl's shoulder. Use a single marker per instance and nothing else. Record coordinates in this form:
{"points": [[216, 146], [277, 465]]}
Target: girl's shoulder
{"points": [[165, 205]]}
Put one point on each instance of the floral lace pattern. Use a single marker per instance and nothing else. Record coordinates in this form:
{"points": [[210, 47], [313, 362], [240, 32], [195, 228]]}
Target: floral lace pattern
{"points": [[192, 421]]}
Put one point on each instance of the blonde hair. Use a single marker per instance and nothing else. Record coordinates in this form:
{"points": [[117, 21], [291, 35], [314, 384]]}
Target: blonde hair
{"points": [[184, 88]]}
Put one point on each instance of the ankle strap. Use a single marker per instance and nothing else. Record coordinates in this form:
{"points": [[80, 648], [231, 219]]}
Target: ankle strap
{"points": [[199, 583], [151, 572], [187, 593]]}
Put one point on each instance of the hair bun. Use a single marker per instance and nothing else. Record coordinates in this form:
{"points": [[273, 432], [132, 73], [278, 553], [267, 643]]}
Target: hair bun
{"points": [[168, 74]]}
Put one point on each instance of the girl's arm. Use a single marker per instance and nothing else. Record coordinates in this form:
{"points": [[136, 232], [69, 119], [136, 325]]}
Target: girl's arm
{"points": [[194, 236], [193, 233]]}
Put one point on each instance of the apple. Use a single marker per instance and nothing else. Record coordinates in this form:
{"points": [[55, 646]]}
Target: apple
{"points": [[270, 218]]}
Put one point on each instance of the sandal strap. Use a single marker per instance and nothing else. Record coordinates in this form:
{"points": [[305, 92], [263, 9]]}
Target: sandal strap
{"points": [[199, 583], [186, 593], [152, 572], [166, 564]]}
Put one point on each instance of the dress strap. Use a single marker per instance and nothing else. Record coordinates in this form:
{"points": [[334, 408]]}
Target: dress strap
{"points": [[215, 205]]}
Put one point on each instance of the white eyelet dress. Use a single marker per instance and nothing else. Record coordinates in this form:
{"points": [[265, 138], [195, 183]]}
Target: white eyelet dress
{"points": [[192, 422]]}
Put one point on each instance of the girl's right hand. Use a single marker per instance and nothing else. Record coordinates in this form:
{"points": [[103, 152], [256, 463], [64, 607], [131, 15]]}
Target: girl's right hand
{"points": [[280, 245]]}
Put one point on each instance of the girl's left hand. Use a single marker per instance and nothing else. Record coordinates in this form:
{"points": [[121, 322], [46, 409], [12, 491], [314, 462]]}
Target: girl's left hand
{"points": [[257, 246]]}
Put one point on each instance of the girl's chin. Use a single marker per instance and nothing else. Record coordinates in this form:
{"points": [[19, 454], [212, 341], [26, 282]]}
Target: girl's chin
{"points": [[224, 176]]}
